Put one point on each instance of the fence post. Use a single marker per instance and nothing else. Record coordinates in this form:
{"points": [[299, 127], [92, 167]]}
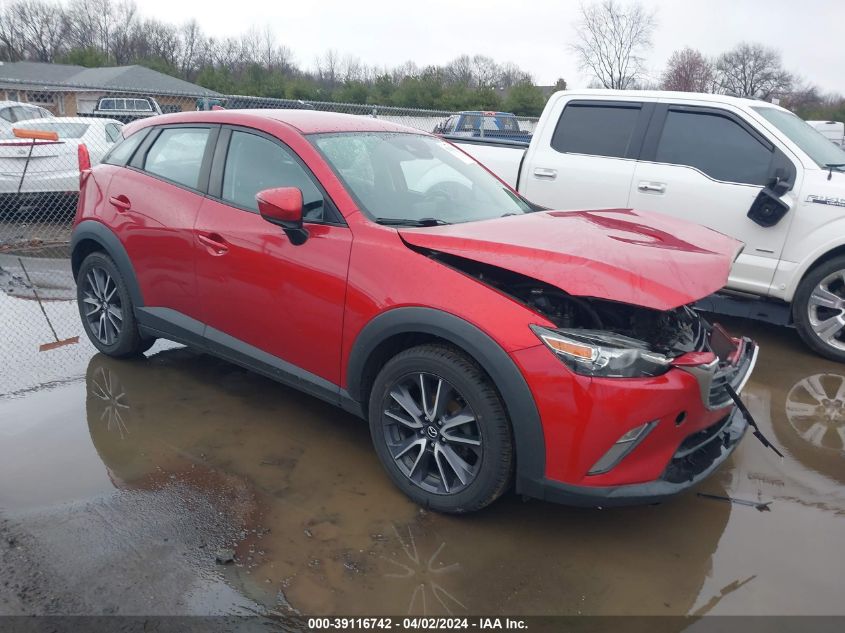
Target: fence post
{"points": [[375, 112]]}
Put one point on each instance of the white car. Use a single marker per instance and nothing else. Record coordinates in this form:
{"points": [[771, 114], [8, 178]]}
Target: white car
{"points": [[831, 130], [13, 111], [748, 169], [45, 173]]}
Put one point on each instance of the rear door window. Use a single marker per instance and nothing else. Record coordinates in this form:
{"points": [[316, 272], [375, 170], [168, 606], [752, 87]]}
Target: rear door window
{"points": [[255, 163], [597, 129], [716, 145], [177, 155]]}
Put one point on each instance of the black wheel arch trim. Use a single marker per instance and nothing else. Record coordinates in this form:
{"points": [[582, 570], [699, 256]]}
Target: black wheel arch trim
{"points": [[527, 428], [110, 243]]}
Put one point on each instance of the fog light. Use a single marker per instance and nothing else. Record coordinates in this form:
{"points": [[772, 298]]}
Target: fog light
{"points": [[622, 447]]}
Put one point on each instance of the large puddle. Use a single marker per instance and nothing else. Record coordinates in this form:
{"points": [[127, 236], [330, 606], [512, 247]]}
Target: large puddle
{"points": [[121, 484]]}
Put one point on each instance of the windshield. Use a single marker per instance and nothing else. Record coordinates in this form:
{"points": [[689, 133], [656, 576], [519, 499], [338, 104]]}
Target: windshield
{"points": [[817, 146], [415, 177], [62, 128]]}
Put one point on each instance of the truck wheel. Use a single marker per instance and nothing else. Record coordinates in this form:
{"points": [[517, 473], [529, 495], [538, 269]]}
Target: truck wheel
{"points": [[818, 309], [441, 430], [106, 309]]}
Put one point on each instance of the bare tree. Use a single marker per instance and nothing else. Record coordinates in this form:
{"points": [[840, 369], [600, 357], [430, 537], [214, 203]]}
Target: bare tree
{"points": [[351, 69], [688, 71], [752, 70], [11, 35], [803, 98], [32, 29], [43, 28], [512, 75], [611, 40], [194, 46], [460, 71], [407, 69], [485, 71], [91, 24], [328, 68]]}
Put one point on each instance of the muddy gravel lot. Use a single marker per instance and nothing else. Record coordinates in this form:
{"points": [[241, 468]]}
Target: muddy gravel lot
{"points": [[181, 484]]}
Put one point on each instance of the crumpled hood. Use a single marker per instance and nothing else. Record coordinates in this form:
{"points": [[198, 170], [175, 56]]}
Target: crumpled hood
{"points": [[634, 257]]}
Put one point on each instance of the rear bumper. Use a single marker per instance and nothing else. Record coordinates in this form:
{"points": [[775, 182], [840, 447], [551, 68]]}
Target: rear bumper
{"points": [[40, 182], [693, 462]]}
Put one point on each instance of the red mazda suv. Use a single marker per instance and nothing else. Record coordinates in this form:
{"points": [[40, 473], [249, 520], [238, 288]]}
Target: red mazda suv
{"points": [[490, 343]]}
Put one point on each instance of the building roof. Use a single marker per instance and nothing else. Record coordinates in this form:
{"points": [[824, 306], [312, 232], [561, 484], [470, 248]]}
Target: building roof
{"points": [[122, 78]]}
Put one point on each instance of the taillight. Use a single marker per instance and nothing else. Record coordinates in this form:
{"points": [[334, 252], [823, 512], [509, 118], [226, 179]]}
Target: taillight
{"points": [[84, 157]]}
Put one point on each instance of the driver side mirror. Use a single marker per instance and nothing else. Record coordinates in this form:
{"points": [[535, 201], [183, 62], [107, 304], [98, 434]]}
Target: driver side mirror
{"points": [[283, 207], [768, 209]]}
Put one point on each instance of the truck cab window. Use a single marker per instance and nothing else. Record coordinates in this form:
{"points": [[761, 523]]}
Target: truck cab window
{"points": [[716, 145], [597, 130]]}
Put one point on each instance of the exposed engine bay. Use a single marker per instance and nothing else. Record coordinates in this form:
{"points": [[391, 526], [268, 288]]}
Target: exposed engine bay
{"points": [[671, 332]]}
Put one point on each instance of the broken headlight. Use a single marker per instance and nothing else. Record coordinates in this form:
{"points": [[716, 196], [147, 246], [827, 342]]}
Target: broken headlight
{"points": [[600, 353]]}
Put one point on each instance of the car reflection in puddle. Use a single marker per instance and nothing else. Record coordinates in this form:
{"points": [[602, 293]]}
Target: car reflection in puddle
{"points": [[325, 532], [801, 399], [815, 408]]}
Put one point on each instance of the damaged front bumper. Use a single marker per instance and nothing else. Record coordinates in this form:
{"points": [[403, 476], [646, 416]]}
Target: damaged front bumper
{"points": [[693, 426], [696, 458], [733, 370]]}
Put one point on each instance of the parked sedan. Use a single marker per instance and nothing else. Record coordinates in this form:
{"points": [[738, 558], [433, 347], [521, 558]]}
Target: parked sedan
{"points": [[11, 112], [488, 342], [43, 173]]}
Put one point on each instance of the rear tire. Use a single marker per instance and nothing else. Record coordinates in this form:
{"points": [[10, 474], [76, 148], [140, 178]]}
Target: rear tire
{"points": [[818, 309], [440, 429], [106, 309]]}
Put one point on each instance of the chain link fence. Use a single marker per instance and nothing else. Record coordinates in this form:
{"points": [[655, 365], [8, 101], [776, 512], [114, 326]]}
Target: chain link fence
{"points": [[44, 138]]}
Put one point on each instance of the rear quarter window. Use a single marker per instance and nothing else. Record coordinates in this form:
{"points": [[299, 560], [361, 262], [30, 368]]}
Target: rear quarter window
{"points": [[123, 150], [177, 155]]}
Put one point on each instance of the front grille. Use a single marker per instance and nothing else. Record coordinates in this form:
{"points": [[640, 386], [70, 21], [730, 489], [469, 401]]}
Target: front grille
{"points": [[713, 378], [729, 375]]}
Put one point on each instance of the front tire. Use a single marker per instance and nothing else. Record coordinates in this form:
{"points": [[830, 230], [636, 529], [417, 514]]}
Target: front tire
{"points": [[440, 429], [106, 309], [818, 309]]}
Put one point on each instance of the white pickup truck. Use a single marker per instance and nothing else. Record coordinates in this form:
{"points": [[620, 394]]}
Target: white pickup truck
{"points": [[748, 169]]}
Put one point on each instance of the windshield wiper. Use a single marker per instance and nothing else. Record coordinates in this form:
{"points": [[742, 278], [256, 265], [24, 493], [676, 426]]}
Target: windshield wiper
{"points": [[410, 222], [831, 167]]}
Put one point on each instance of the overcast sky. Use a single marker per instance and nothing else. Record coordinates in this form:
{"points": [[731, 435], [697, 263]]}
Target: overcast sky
{"points": [[809, 33]]}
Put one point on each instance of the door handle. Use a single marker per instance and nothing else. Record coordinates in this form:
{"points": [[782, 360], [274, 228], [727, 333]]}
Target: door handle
{"points": [[652, 187], [215, 244], [545, 172], [121, 202]]}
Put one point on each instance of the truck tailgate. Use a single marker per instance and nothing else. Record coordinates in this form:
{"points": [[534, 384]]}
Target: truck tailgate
{"points": [[502, 158]]}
